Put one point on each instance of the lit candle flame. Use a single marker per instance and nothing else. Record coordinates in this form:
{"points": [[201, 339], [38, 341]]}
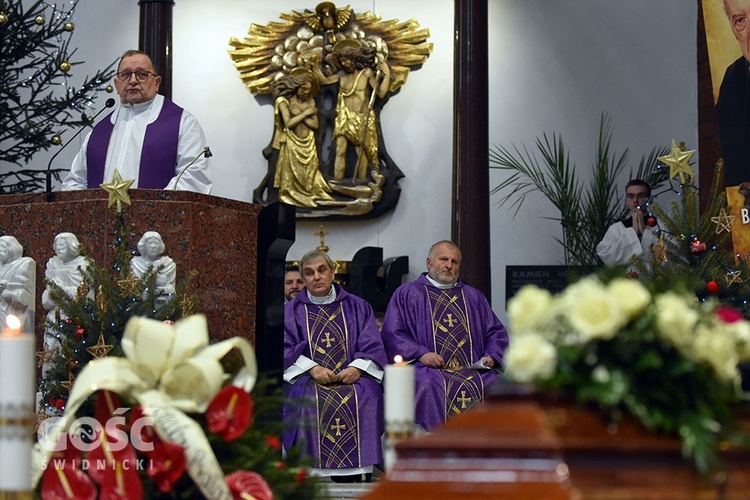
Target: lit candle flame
{"points": [[14, 325], [398, 359]]}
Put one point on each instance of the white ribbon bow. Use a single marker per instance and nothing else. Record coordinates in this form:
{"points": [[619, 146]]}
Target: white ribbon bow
{"points": [[169, 370]]}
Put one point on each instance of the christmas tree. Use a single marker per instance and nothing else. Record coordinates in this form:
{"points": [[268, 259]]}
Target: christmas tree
{"points": [[38, 101], [241, 432], [695, 252]]}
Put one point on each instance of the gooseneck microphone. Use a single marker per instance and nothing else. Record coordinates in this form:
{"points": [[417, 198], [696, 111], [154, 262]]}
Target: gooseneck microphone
{"points": [[205, 152], [110, 102]]}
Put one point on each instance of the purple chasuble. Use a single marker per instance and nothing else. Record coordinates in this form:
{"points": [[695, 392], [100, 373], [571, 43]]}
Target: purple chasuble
{"points": [[158, 156], [458, 324], [338, 426]]}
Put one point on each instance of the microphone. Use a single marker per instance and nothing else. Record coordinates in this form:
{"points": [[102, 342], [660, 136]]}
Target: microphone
{"points": [[205, 152], [110, 102]]}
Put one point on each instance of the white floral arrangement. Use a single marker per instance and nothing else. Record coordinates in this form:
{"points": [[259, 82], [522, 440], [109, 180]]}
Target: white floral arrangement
{"points": [[666, 358]]}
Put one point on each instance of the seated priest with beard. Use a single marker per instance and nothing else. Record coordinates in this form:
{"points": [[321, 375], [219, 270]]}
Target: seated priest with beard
{"points": [[333, 367], [449, 332]]}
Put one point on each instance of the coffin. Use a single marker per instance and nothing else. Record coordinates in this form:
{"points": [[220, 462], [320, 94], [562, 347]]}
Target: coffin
{"points": [[527, 447]]}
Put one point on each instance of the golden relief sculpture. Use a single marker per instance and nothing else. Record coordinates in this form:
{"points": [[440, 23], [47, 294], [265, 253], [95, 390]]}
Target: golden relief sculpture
{"points": [[330, 72]]}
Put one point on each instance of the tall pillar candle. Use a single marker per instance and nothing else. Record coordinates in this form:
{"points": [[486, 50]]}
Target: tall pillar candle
{"points": [[399, 406], [17, 393]]}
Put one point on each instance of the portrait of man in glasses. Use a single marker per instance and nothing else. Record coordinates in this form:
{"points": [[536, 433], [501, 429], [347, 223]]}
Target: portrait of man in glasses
{"points": [[147, 138]]}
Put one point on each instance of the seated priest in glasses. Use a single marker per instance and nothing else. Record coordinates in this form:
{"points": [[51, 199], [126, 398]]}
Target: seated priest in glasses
{"points": [[333, 367], [148, 138]]}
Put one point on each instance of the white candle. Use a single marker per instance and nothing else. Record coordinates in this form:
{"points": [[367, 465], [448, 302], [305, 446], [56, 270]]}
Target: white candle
{"points": [[17, 392], [399, 405]]}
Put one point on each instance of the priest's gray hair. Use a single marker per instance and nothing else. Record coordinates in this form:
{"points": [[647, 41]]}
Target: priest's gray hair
{"points": [[433, 248], [313, 255]]}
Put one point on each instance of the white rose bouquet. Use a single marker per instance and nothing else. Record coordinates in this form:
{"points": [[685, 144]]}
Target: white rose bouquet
{"points": [[666, 358]]}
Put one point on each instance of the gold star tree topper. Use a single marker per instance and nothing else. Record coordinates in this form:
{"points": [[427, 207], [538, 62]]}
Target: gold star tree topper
{"points": [[679, 162], [118, 191]]}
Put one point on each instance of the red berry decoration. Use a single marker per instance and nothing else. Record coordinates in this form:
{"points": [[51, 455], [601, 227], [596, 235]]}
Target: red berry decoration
{"points": [[650, 221], [713, 287], [80, 333], [60, 404], [697, 247]]}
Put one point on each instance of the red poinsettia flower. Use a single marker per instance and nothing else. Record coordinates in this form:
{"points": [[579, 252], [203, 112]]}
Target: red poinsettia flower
{"points": [[107, 403], [245, 482], [273, 442], [728, 315], [110, 454], [66, 455], [230, 412], [166, 464], [121, 482], [66, 483], [139, 429], [301, 475]]}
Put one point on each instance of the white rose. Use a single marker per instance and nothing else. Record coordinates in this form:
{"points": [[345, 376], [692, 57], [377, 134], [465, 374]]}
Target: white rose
{"points": [[717, 348], [675, 319], [740, 330], [530, 358], [528, 307], [631, 296], [592, 312], [600, 374]]}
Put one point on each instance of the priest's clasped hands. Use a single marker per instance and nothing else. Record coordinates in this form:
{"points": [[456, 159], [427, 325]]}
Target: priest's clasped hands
{"points": [[435, 360], [324, 376]]}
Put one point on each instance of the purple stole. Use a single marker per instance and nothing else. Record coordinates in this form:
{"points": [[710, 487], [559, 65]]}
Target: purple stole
{"points": [[451, 333], [336, 407], [158, 156]]}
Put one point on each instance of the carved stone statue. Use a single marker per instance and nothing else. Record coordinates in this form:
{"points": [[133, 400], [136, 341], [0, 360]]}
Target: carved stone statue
{"points": [[360, 62], [17, 283], [359, 83], [65, 270], [151, 247], [298, 177]]}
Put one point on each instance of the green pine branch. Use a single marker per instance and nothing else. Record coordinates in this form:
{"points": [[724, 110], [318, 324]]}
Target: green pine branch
{"points": [[37, 100]]}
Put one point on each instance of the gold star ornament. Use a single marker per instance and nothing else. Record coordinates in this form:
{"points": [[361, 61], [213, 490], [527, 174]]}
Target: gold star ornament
{"points": [[678, 162], [129, 286], [659, 250], [118, 191], [44, 357], [733, 277], [723, 221], [100, 349], [68, 384]]}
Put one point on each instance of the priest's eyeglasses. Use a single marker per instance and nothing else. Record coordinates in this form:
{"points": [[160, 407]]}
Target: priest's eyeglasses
{"points": [[141, 76], [633, 196]]}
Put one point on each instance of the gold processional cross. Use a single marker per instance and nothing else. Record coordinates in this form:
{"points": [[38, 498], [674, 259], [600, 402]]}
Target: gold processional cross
{"points": [[321, 233]]}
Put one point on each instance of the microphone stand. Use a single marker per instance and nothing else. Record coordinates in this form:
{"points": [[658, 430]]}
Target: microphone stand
{"points": [[206, 152], [110, 102]]}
